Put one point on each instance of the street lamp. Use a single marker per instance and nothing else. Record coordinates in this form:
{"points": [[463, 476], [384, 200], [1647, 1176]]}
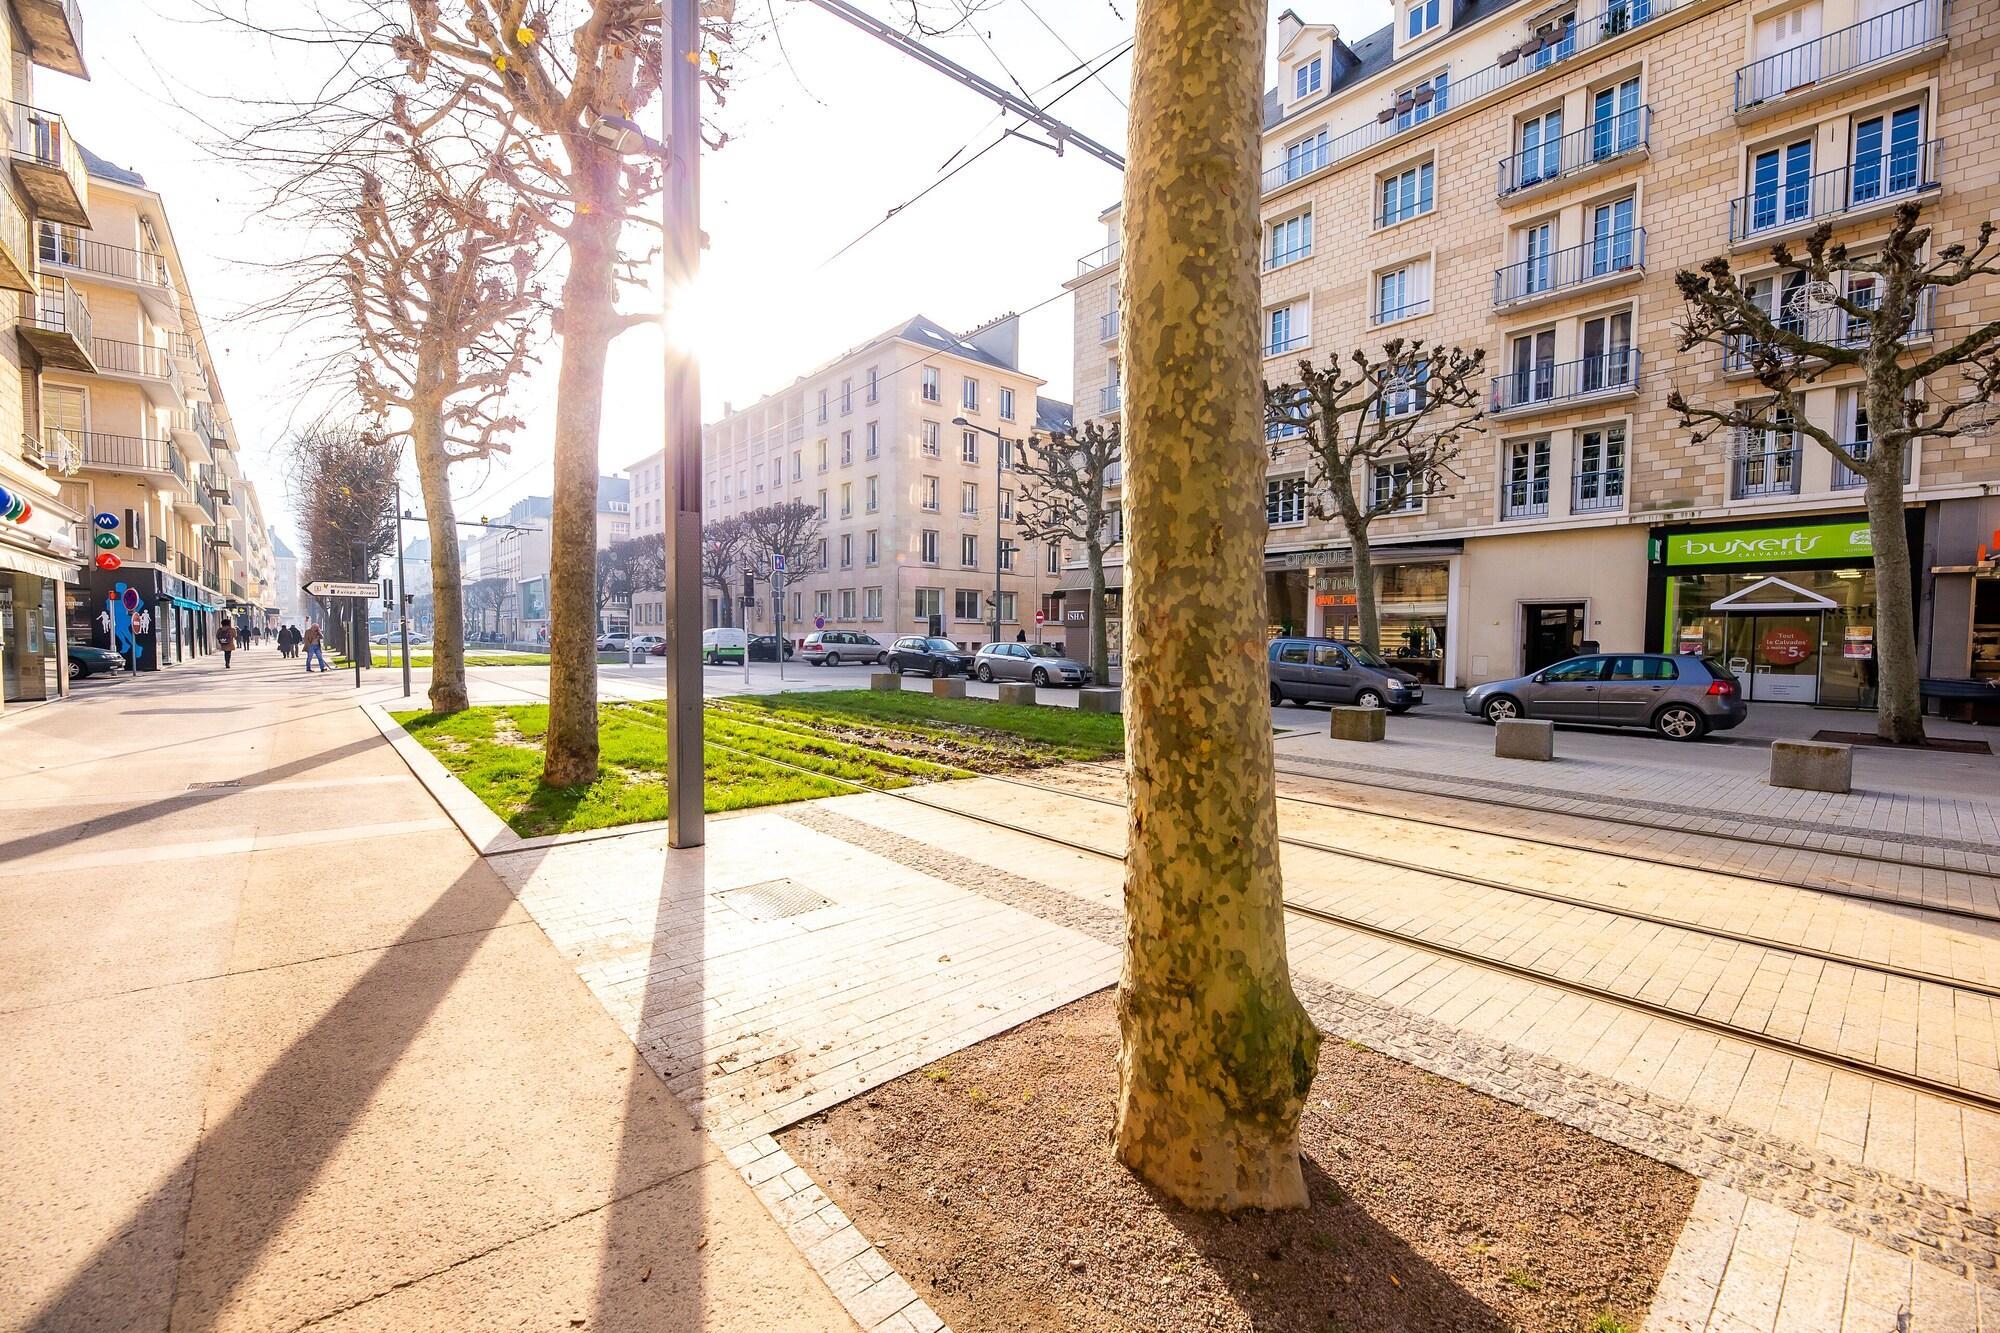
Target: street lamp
{"points": [[999, 542]]}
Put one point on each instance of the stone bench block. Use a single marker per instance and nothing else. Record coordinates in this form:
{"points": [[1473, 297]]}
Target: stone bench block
{"points": [[1524, 738], [1358, 724], [1812, 766], [948, 687], [886, 681], [1101, 701], [1015, 692]]}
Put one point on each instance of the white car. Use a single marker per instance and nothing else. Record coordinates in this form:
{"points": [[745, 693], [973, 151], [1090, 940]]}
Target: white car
{"points": [[611, 643], [643, 643]]}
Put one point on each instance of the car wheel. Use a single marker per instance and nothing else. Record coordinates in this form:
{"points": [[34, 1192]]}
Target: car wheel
{"points": [[880, 658], [1678, 722], [1041, 677], [76, 671], [985, 674], [833, 659], [1278, 699], [1368, 699], [896, 665], [1500, 708], [938, 670]]}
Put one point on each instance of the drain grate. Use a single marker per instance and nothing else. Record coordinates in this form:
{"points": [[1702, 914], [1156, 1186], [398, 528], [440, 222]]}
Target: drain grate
{"points": [[212, 786], [774, 900]]}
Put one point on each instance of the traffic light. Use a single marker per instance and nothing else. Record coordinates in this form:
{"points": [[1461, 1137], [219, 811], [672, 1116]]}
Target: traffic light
{"points": [[388, 591], [749, 586]]}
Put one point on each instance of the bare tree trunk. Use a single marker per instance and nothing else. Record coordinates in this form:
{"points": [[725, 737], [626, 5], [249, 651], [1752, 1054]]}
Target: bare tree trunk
{"points": [[1899, 713], [1100, 633], [447, 693], [587, 324], [1216, 1053], [1368, 616]]}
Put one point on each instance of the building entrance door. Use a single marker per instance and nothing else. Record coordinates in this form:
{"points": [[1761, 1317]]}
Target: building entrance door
{"points": [[1550, 632], [1776, 657]]}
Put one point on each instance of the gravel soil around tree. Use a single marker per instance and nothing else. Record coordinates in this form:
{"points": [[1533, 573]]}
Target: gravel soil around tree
{"points": [[989, 1181]]}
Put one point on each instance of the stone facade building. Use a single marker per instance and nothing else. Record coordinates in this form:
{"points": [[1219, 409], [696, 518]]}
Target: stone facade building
{"points": [[1528, 178]]}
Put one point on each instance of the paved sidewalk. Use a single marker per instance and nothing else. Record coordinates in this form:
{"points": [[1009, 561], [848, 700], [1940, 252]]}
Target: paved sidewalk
{"points": [[283, 1051]]}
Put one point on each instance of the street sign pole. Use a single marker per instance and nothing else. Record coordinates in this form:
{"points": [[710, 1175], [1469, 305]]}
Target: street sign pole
{"points": [[680, 251], [402, 589], [354, 638], [777, 610]]}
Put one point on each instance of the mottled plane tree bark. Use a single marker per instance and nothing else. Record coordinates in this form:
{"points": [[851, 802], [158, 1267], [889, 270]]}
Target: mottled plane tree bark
{"points": [[1216, 1054]]}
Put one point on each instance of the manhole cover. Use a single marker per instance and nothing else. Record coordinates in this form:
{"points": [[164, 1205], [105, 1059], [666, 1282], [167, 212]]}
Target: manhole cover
{"points": [[774, 900], [212, 786]]}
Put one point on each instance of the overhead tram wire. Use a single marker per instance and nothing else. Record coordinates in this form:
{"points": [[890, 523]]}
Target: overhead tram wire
{"points": [[1030, 7]]}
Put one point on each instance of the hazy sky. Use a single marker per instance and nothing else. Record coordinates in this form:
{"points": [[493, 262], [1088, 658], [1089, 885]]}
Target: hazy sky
{"points": [[829, 131]]}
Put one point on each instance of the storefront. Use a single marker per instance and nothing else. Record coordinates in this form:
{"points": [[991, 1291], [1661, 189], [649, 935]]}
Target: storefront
{"points": [[1958, 632], [31, 651], [147, 616], [1313, 592], [1790, 607]]}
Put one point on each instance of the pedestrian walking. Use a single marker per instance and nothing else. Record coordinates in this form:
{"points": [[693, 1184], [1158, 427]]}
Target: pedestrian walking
{"points": [[225, 639], [287, 640], [313, 651]]}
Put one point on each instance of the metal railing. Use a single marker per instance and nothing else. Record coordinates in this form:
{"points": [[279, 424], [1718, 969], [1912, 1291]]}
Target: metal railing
{"points": [[1614, 20], [1107, 326], [1853, 48], [160, 551], [1764, 471], [1739, 350], [1563, 381], [1603, 140], [1096, 259], [1279, 258], [101, 257], [1846, 478], [14, 232], [1590, 492], [31, 450], [1614, 252], [215, 483], [1407, 310], [1109, 398], [1895, 174], [1524, 499], [1284, 345], [61, 309], [185, 566], [42, 137], [148, 361], [129, 453]]}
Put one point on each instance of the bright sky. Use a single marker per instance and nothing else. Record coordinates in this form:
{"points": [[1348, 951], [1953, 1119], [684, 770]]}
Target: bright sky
{"points": [[829, 130]]}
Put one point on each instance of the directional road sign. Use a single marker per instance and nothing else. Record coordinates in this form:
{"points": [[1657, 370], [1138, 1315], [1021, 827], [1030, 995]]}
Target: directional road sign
{"points": [[329, 588]]}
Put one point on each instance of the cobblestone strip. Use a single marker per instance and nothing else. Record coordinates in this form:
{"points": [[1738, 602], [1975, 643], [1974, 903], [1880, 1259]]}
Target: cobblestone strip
{"points": [[1904, 1215], [1698, 814]]}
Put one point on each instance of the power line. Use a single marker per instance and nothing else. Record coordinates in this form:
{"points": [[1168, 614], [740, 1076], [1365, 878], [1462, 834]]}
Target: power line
{"points": [[1037, 14]]}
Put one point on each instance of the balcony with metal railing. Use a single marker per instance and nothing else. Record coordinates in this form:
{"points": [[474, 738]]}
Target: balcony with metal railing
{"points": [[136, 454], [1876, 184], [55, 34], [150, 364], [48, 164], [187, 567], [1524, 498], [56, 323], [1876, 46], [1763, 468], [1577, 156], [1846, 478], [1543, 51], [1603, 261], [1110, 398], [141, 271], [1597, 492], [1280, 346], [1107, 327], [1834, 328], [1100, 258], [17, 252], [1552, 384]]}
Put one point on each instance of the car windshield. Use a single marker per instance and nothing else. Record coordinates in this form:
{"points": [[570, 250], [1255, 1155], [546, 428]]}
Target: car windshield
{"points": [[1366, 656], [1044, 650], [941, 645]]}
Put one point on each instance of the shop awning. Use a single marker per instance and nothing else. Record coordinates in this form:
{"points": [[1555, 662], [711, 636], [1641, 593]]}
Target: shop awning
{"points": [[22, 561], [1336, 557], [1078, 580]]}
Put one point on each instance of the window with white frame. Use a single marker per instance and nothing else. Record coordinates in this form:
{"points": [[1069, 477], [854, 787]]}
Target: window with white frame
{"points": [[1052, 557], [823, 604], [1289, 240], [1408, 391], [822, 455], [1006, 556], [1114, 524], [1008, 601], [822, 504], [968, 497], [1524, 478], [1007, 506], [928, 493], [846, 448], [1392, 490], [760, 476], [798, 464], [847, 550], [871, 547], [965, 604], [871, 493], [1006, 454], [1285, 500], [1303, 156], [968, 446], [1402, 292], [1426, 99], [1408, 193], [1287, 328], [932, 385], [1598, 470], [1308, 78], [968, 394], [846, 397], [822, 553], [873, 387], [847, 603], [1420, 17], [930, 435], [1289, 422], [846, 499], [822, 407], [930, 602], [871, 603], [1006, 403], [968, 550], [871, 435]]}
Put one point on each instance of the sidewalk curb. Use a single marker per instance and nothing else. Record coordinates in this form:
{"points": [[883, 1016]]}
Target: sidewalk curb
{"points": [[487, 833]]}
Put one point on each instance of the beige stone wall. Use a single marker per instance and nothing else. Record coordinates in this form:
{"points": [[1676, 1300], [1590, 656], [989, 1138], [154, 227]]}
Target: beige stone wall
{"points": [[1603, 568]]}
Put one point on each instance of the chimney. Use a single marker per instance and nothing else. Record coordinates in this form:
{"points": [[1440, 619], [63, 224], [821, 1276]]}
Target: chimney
{"points": [[1289, 25]]}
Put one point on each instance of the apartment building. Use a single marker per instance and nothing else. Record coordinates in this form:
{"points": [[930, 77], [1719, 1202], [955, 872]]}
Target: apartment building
{"points": [[1528, 178], [516, 551], [39, 556], [906, 445], [132, 407]]}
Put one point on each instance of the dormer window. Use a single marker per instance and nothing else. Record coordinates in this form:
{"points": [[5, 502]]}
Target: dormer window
{"points": [[1422, 17], [1310, 75]]}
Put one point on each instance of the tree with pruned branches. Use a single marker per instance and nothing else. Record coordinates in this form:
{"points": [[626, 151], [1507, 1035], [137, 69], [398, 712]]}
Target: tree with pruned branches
{"points": [[637, 564], [1379, 433], [1065, 476], [725, 543], [791, 530], [1863, 316], [343, 489]]}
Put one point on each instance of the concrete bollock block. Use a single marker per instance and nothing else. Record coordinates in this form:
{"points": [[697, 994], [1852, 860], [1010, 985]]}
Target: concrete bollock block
{"points": [[886, 681], [1358, 724], [1017, 692], [948, 687], [1524, 738], [1812, 766], [1101, 701]]}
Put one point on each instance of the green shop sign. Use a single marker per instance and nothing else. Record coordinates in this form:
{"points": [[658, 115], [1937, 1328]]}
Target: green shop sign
{"points": [[1752, 546]]}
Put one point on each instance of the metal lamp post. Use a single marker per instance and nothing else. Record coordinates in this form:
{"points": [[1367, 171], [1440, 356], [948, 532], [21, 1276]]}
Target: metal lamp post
{"points": [[999, 540]]}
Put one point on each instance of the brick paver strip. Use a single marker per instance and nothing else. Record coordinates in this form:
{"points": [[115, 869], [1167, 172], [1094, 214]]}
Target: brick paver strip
{"points": [[1906, 1216]]}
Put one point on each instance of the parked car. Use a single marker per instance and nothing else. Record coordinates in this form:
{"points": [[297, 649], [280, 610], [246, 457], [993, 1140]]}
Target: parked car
{"points": [[84, 660], [1042, 663], [931, 657], [831, 647], [1331, 671], [722, 645], [646, 643], [612, 643], [764, 648], [1681, 696]]}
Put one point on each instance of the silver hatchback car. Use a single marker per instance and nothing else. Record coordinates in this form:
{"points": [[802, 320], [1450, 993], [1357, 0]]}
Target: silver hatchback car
{"points": [[1683, 697], [1333, 671], [1042, 663]]}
